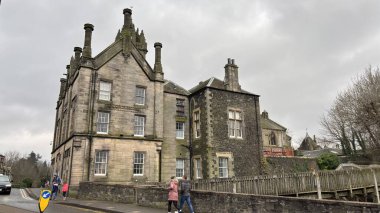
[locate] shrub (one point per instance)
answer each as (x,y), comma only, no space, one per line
(328,161)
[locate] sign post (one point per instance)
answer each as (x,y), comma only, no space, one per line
(44,200)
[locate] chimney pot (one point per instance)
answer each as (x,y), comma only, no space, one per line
(157,45)
(233,61)
(89,26)
(78,49)
(127,10)
(228,61)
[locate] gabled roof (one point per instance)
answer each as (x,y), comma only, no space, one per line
(171,87)
(267,123)
(213,83)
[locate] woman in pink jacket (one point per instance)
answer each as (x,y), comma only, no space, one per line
(173,194)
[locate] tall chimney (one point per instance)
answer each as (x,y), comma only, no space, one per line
(87,40)
(127,17)
(157,61)
(77,51)
(231,78)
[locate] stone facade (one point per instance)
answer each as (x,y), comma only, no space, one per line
(119,121)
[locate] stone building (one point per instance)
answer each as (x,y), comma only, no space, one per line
(118,120)
(275,140)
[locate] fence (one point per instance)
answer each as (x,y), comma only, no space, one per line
(296,183)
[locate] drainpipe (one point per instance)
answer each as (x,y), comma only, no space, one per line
(91,126)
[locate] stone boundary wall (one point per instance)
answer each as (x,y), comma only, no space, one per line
(209,202)
(276,165)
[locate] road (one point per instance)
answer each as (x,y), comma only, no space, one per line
(19,202)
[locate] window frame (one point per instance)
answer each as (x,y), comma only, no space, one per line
(136,165)
(182,131)
(223,168)
(98,164)
(198,168)
(196,120)
(139,96)
(99,123)
(180,105)
(235,124)
(103,92)
(138,125)
(179,168)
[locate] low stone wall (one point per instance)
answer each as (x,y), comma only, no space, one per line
(205,202)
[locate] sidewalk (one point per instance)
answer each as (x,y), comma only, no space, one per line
(105,206)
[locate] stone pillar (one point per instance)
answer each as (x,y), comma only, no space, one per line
(87,40)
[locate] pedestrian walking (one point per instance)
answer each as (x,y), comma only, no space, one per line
(65,189)
(185,194)
(54,190)
(173,194)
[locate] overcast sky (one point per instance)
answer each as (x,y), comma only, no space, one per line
(297,55)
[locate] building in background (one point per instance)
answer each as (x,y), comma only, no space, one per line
(118,120)
(275,140)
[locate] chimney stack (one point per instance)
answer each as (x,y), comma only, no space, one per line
(77,51)
(87,40)
(127,17)
(157,61)
(231,78)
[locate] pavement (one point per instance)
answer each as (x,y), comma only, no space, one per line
(102,206)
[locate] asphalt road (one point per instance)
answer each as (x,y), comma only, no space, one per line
(19,202)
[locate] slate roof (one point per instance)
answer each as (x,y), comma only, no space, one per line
(308,144)
(213,83)
(171,87)
(267,123)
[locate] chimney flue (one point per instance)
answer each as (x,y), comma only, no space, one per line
(87,40)
(157,60)
(127,17)
(77,51)
(231,78)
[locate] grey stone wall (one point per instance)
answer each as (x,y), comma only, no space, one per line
(206,202)
(275,165)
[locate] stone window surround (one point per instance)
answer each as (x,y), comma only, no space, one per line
(241,124)
(230,158)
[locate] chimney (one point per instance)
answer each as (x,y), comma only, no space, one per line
(231,78)
(87,40)
(157,61)
(77,51)
(127,17)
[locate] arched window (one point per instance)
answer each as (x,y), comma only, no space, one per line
(272,139)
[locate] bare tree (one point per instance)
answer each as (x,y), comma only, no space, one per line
(354,118)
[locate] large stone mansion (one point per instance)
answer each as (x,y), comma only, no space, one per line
(118,120)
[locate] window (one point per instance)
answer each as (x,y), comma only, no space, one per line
(139,125)
(234,124)
(140,95)
(105,91)
(103,122)
(138,164)
(223,167)
(180,107)
(197,128)
(180,130)
(101,158)
(180,168)
(198,168)
(272,138)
